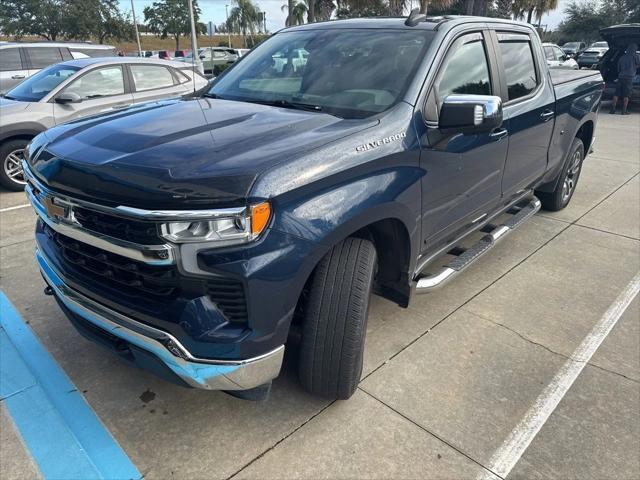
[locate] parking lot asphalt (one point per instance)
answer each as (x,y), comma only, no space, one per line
(445,382)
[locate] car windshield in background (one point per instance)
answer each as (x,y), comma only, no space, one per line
(348,73)
(37,86)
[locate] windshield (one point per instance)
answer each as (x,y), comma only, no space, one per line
(571,45)
(37,86)
(599,45)
(348,73)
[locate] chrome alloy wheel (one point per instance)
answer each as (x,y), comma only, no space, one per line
(13,166)
(571,178)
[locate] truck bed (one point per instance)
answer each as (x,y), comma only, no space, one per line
(560,76)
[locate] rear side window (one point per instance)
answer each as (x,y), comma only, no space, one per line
(466,70)
(519,68)
(148,77)
(41,57)
(10,59)
(94,52)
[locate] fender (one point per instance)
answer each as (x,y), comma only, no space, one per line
(22,129)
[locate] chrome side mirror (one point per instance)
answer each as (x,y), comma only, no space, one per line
(470,113)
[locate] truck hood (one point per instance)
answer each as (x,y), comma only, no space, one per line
(169,154)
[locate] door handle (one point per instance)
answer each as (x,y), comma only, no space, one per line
(499,134)
(120,106)
(546,115)
(17,77)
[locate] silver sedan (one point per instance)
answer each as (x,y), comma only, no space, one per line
(77,88)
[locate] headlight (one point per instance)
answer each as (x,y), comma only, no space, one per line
(223,230)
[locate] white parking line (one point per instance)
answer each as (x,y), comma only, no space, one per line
(506,457)
(8,209)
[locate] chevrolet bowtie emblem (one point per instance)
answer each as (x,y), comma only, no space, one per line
(52,209)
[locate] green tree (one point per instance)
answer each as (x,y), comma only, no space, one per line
(425,4)
(583,21)
(170,18)
(45,18)
(97,18)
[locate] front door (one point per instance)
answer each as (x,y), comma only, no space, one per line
(463,171)
(101,90)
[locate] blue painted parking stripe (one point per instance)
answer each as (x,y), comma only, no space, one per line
(61,431)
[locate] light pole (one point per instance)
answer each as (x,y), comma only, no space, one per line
(135,24)
(264,18)
(194,39)
(226,9)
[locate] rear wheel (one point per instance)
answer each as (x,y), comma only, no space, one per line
(335,319)
(567,181)
(11,156)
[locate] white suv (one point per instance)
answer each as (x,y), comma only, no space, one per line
(21,60)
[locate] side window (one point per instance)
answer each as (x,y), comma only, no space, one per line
(41,57)
(102,82)
(181,76)
(519,68)
(66,55)
(559,54)
(465,70)
(148,77)
(549,53)
(10,59)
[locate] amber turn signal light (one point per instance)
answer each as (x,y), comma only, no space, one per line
(260,214)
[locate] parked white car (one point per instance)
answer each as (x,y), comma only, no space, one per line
(557,58)
(21,60)
(77,88)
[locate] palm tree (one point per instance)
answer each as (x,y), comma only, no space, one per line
(436,3)
(297,13)
(245,17)
(524,8)
(504,8)
(544,6)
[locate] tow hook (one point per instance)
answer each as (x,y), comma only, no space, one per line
(48,290)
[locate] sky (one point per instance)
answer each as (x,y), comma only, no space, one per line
(214,10)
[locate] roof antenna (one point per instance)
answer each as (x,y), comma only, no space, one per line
(415,17)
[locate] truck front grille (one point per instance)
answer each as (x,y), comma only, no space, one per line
(131,276)
(115,269)
(136,231)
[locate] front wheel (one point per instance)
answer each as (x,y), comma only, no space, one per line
(335,320)
(11,156)
(567,181)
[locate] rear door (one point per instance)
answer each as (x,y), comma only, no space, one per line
(102,89)
(463,171)
(13,68)
(153,82)
(528,108)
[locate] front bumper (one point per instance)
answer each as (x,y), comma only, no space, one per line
(207,374)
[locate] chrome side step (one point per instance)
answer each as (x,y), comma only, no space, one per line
(465,257)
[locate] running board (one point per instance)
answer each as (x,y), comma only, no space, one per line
(465,257)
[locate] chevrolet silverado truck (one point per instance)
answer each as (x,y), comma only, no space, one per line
(198,237)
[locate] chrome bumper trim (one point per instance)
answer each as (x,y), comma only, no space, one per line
(149,254)
(202,373)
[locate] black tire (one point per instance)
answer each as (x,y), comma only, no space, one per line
(335,320)
(567,180)
(8,158)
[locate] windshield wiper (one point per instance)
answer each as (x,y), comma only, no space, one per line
(287,104)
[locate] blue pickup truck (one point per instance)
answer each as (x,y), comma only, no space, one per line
(197,237)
